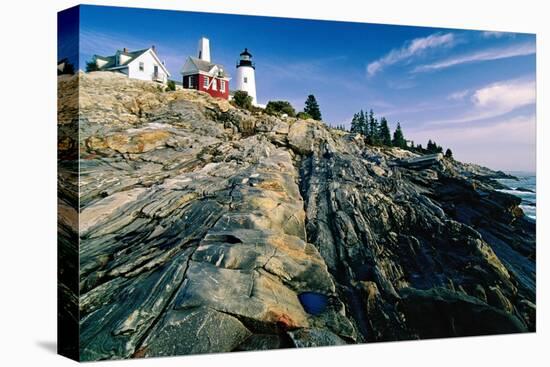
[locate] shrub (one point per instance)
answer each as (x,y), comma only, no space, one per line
(242,99)
(303,115)
(171,85)
(279,108)
(91,66)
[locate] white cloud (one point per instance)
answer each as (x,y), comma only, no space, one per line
(486,55)
(496,34)
(506,95)
(459,95)
(410,49)
(507,144)
(518,129)
(495,100)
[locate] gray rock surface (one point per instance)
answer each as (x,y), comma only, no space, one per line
(201,224)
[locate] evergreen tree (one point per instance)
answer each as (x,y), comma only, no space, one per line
(355,128)
(384,132)
(433,148)
(362,122)
(399,138)
(449,153)
(91,66)
(430,147)
(372,130)
(312,108)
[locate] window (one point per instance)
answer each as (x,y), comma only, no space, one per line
(141,66)
(214,84)
(191,81)
(245,79)
(222,86)
(205,82)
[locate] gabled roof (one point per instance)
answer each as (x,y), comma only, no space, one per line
(194,64)
(132,56)
(111,60)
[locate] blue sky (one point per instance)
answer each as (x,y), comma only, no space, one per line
(472,91)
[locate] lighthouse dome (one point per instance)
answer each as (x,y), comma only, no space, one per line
(245,59)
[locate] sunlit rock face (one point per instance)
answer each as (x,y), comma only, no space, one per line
(206,228)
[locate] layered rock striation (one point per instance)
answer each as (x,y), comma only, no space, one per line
(205,228)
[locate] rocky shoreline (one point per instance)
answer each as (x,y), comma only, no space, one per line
(205,228)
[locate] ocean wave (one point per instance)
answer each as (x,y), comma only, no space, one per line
(529,211)
(517,192)
(528,198)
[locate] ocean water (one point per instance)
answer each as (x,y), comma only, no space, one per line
(525,188)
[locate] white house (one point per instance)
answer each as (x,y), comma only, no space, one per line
(141,64)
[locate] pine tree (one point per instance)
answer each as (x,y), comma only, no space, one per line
(399,138)
(312,108)
(355,124)
(449,153)
(372,129)
(430,147)
(362,122)
(384,132)
(433,148)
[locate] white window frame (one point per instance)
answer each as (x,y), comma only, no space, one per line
(222,86)
(205,82)
(190,81)
(141,66)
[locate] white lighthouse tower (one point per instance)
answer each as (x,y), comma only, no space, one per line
(204,49)
(246,80)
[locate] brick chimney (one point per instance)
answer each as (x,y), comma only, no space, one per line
(125,50)
(154,48)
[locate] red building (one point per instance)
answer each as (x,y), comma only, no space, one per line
(201,74)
